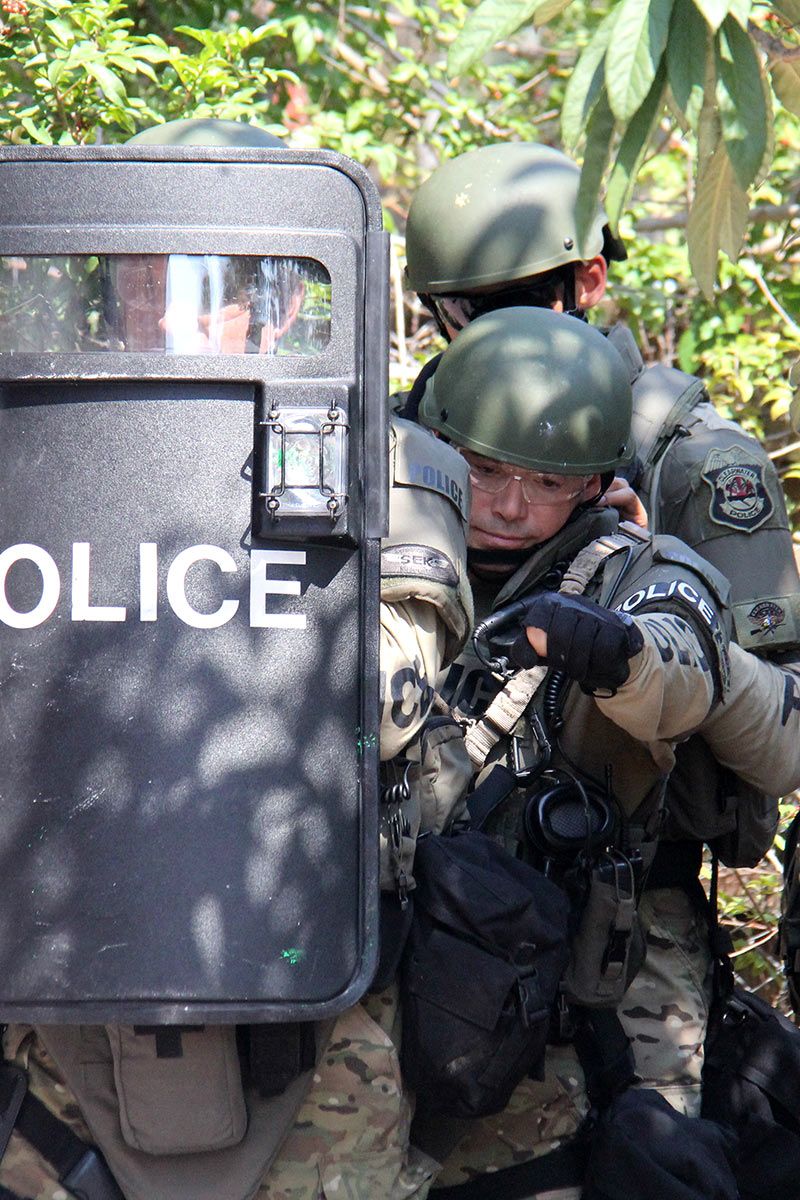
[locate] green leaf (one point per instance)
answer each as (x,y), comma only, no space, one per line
(549,9)
(124,61)
(718,220)
(39,135)
(740,11)
(110,84)
(55,69)
(303,38)
(586,82)
(794,407)
(765,166)
(634,53)
(153,54)
(714,11)
(62,31)
(599,133)
(633,148)
(741,100)
(686,58)
(485,26)
(786,83)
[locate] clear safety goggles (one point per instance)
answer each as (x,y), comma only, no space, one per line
(458,310)
(538,487)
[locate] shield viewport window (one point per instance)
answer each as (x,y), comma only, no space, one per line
(163,304)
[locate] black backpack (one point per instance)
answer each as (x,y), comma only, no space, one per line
(790,912)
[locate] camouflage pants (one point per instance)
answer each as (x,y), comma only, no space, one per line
(349,1140)
(665,1010)
(664,1013)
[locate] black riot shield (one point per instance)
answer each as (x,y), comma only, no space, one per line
(193,348)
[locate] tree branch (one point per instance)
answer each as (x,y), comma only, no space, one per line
(776,50)
(762,212)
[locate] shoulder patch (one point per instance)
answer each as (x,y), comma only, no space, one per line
(418,562)
(424,461)
(766,616)
(739,497)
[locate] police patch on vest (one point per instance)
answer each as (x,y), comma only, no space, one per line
(676,594)
(739,497)
(766,616)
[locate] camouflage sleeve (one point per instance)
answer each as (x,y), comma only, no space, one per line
(412,651)
(717,489)
(756,732)
(671,685)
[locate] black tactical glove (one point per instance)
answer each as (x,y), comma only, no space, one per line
(590,644)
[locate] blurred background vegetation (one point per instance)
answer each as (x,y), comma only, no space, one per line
(372,81)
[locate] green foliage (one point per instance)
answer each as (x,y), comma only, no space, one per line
(749,909)
(490,23)
(710,52)
(639,41)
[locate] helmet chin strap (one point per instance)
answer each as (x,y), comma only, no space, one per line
(571,307)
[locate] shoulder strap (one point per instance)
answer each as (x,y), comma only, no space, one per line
(662,397)
(82,1170)
(410,409)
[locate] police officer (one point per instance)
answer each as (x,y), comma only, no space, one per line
(629,629)
(343,1122)
(496,226)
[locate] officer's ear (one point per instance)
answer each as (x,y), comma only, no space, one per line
(590,281)
(593,490)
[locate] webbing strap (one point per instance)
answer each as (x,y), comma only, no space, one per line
(82,1170)
(502,714)
(54,1139)
(511,701)
(5,1194)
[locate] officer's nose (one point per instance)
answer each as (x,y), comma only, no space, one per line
(510,504)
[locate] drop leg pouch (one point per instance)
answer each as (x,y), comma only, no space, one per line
(83,1054)
(487,947)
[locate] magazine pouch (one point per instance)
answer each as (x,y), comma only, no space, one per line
(607,948)
(158,1091)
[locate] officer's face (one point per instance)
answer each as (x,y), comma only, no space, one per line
(519,509)
(546,290)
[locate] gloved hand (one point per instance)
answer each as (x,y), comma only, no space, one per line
(590,644)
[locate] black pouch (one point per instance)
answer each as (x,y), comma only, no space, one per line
(642,1149)
(486,950)
(750,1081)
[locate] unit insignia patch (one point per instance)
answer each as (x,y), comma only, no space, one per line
(739,497)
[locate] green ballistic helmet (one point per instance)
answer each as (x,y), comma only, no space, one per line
(497,214)
(536,388)
(204,131)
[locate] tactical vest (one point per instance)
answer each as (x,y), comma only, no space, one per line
(567,757)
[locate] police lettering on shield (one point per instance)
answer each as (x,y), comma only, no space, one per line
(82,607)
